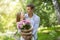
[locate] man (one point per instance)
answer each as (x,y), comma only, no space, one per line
(34,19)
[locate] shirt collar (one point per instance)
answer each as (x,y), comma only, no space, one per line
(29,17)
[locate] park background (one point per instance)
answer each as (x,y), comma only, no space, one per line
(47,10)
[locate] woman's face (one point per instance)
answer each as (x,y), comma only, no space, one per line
(22,16)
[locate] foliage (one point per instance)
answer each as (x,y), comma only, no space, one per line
(52,35)
(45,10)
(6,38)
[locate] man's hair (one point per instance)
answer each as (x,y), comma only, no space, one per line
(31,5)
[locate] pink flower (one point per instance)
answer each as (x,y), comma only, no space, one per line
(27,22)
(23,24)
(20,24)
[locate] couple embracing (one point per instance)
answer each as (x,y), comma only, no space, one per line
(33,22)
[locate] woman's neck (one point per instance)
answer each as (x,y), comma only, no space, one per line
(21,19)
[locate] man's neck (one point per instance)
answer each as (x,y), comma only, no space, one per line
(30,15)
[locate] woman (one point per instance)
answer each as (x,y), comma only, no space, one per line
(20,17)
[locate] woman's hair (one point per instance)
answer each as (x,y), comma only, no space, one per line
(18,17)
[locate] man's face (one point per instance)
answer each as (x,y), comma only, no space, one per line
(29,10)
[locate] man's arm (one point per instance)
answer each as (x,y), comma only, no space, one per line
(36,25)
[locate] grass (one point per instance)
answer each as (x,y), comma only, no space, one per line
(43,36)
(6,38)
(50,33)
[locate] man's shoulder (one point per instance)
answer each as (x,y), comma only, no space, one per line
(36,16)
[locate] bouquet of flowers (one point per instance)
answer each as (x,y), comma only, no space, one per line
(24,25)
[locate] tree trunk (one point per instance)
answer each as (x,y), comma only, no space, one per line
(57,10)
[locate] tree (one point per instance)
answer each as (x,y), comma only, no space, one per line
(57,9)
